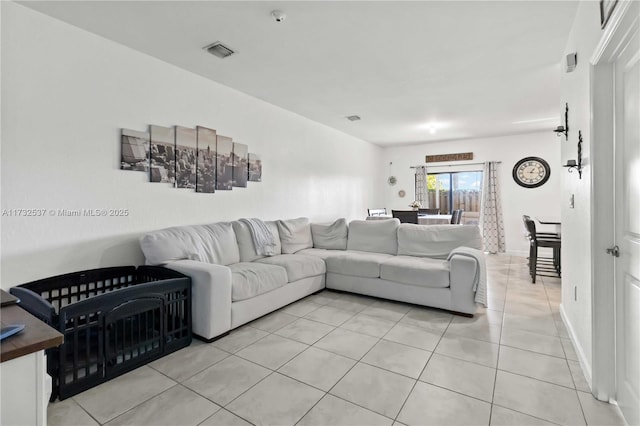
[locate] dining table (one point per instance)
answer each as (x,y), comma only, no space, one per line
(434,219)
(550,220)
(423,219)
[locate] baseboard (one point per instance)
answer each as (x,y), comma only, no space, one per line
(582,359)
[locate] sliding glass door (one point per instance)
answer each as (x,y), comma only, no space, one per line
(456,190)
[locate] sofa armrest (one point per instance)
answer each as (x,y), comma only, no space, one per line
(210,294)
(462,274)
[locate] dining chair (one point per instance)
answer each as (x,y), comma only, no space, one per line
(406,216)
(456,216)
(377,212)
(428,211)
(539,265)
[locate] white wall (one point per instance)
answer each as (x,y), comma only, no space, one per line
(576,223)
(65,95)
(516,200)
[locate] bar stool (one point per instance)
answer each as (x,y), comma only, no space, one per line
(539,265)
(539,234)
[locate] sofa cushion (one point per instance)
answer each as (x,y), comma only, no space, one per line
(330,236)
(359,264)
(421,271)
(214,243)
(252,279)
(323,254)
(295,235)
(245,241)
(376,236)
(298,266)
(436,241)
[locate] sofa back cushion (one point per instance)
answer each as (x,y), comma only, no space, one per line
(376,236)
(295,235)
(245,241)
(332,236)
(436,241)
(214,243)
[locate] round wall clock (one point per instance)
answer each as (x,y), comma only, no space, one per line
(392,180)
(531,172)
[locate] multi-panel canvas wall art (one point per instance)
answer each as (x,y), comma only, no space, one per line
(224,171)
(186,156)
(255,168)
(135,150)
(206,167)
(198,159)
(240,169)
(163,158)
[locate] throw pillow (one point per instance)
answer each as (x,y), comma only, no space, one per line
(295,235)
(332,236)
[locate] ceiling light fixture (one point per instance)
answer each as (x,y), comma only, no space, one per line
(220,50)
(353,117)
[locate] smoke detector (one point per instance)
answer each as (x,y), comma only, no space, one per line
(353,118)
(220,50)
(278,15)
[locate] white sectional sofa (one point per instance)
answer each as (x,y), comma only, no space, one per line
(232,284)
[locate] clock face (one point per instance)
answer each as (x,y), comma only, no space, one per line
(531,172)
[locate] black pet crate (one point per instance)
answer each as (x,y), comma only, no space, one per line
(113,320)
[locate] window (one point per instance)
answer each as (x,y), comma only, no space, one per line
(456,190)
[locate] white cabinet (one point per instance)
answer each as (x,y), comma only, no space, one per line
(24,391)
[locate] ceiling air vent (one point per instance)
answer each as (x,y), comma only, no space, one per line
(220,50)
(353,118)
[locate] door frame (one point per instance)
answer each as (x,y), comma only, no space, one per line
(622,24)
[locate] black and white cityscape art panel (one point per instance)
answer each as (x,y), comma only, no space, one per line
(195,158)
(135,151)
(255,168)
(163,158)
(186,157)
(240,169)
(206,166)
(224,166)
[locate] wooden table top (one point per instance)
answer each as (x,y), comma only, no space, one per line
(35,337)
(549,220)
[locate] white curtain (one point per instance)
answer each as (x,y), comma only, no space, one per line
(421,186)
(491,210)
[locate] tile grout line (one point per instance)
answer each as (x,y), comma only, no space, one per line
(512,284)
(421,372)
(228,354)
(147,400)
(275,371)
(82,408)
(566,360)
(348,371)
(575,385)
(230,412)
(495,377)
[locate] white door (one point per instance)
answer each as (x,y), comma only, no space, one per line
(627,217)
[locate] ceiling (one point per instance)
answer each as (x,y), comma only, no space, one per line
(464,69)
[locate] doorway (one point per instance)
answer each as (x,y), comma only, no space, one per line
(616,232)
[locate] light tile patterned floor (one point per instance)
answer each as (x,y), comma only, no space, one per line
(342,359)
